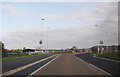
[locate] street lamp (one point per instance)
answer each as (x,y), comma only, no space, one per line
(47,38)
(102,41)
(42,30)
(35,40)
(106,42)
(41,41)
(98,45)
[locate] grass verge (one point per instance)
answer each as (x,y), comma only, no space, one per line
(107,55)
(18,57)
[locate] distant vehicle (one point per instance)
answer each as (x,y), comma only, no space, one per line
(46,51)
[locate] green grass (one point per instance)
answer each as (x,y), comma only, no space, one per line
(12,57)
(107,55)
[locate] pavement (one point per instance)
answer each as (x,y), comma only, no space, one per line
(111,67)
(69,64)
(13,64)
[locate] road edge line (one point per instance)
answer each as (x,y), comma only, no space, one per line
(107,59)
(42,66)
(95,67)
(100,69)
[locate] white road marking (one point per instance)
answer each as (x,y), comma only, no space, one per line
(42,66)
(100,69)
(25,66)
(107,59)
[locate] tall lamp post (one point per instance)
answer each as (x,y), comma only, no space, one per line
(41,41)
(101,42)
(98,45)
(47,38)
(106,42)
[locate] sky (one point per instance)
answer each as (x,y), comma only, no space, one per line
(67,24)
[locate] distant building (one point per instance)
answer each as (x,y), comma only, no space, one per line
(80,50)
(107,49)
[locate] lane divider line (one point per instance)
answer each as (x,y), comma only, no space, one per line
(25,66)
(43,66)
(95,66)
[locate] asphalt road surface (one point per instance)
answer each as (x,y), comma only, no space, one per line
(69,64)
(29,70)
(13,64)
(111,67)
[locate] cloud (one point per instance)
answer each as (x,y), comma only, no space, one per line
(52,16)
(9,7)
(58,38)
(15,10)
(95,13)
(60,1)
(84,34)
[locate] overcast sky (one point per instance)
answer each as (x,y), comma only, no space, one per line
(70,24)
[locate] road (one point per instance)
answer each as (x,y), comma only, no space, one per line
(68,64)
(13,64)
(29,70)
(111,67)
(63,64)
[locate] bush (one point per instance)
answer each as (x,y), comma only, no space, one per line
(4,53)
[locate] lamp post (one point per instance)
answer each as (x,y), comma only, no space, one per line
(106,42)
(35,40)
(101,42)
(47,38)
(41,41)
(98,45)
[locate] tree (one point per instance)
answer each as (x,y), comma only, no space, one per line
(4,51)
(24,48)
(75,48)
(101,42)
